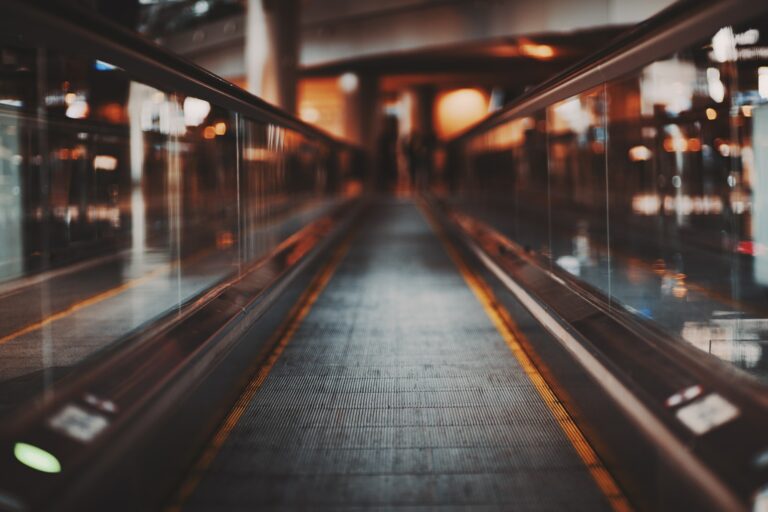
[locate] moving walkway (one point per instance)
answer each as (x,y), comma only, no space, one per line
(204,308)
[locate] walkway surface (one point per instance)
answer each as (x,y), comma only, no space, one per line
(396,392)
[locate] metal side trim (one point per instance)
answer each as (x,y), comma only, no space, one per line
(626,400)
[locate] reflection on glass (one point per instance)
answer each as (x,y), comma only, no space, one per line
(506,180)
(121,202)
(652,188)
(577,180)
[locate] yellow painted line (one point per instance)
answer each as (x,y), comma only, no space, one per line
(295,318)
(99,297)
(503,322)
(95,299)
(84,304)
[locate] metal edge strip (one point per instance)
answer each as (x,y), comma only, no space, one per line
(127,429)
(644,417)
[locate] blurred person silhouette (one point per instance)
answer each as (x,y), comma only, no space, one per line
(386,155)
(418,152)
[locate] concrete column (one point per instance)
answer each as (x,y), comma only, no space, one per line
(271,51)
(369,109)
(360,109)
(425,104)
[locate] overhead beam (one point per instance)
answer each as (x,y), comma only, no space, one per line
(342,29)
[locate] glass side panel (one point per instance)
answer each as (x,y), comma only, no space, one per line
(505,181)
(577,183)
(650,188)
(683,207)
(120,202)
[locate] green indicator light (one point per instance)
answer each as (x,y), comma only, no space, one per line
(36,458)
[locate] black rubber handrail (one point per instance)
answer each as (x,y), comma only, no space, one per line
(679,25)
(67,25)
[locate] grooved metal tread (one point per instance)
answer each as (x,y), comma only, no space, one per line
(397,393)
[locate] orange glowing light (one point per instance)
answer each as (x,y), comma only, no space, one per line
(113,112)
(353,188)
(505,50)
(209,132)
(640,154)
(220,128)
(646,204)
(79,109)
(309,114)
(252,154)
(537,51)
(225,240)
(457,110)
(679,144)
